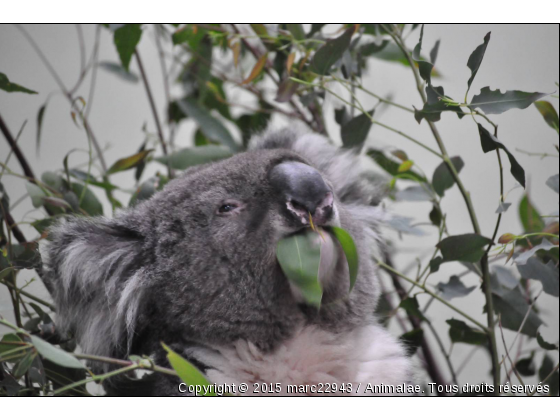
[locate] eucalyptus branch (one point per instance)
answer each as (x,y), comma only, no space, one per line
(29,295)
(472,214)
(507,353)
(431,293)
(154,111)
(444,352)
(256,54)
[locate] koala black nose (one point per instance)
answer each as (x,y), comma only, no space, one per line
(305,191)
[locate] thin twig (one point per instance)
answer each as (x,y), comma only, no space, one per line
(154,111)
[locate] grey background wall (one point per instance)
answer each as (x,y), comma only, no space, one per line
(523,57)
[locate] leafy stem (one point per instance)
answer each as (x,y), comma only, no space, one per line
(472,214)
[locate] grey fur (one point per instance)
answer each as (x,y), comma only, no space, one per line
(173,270)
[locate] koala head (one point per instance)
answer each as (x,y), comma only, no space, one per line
(196,263)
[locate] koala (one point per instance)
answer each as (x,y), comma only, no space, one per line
(195,267)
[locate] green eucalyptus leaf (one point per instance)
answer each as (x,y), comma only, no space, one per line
(412,340)
(10,342)
(350,251)
(460,332)
(530,217)
(129,162)
(454,288)
(191,156)
(476,57)
(548,367)
(210,126)
(299,257)
(524,257)
(547,274)
(296,29)
(391,166)
(119,71)
(435,264)
(40,116)
(552,182)
(331,52)
(8,86)
(443,179)
(89,202)
(186,371)
(55,355)
(355,131)
(36,193)
(496,102)
(23,365)
(411,306)
(526,366)
(545,344)
(489,143)
(436,103)
(424,66)
(513,307)
(469,247)
(286,90)
(549,113)
(126,38)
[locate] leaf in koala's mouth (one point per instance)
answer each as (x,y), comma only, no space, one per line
(299,257)
(350,251)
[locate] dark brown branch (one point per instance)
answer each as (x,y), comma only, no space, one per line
(154,110)
(19,155)
(431,364)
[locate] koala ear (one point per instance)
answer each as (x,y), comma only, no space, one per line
(93,270)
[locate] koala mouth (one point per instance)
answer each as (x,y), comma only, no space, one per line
(311,214)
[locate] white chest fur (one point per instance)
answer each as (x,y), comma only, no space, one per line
(367,355)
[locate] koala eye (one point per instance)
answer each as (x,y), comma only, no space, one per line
(226,208)
(229,208)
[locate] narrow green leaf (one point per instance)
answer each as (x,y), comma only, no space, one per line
(549,113)
(36,193)
(89,201)
(191,156)
(350,251)
(257,69)
(286,90)
(424,66)
(8,86)
(331,52)
(459,332)
(40,116)
(454,288)
(530,218)
(210,126)
(545,344)
(119,71)
(24,364)
(468,247)
(490,143)
(436,103)
(496,102)
(476,57)
(299,257)
(513,307)
(129,162)
(552,182)
(391,166)
(186,371)
(55,355)
(296,29)
(11,341)
(355,131)
(526,366)
(412,340)
(411,306)
(443,179)
(126,38)
(547,274)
